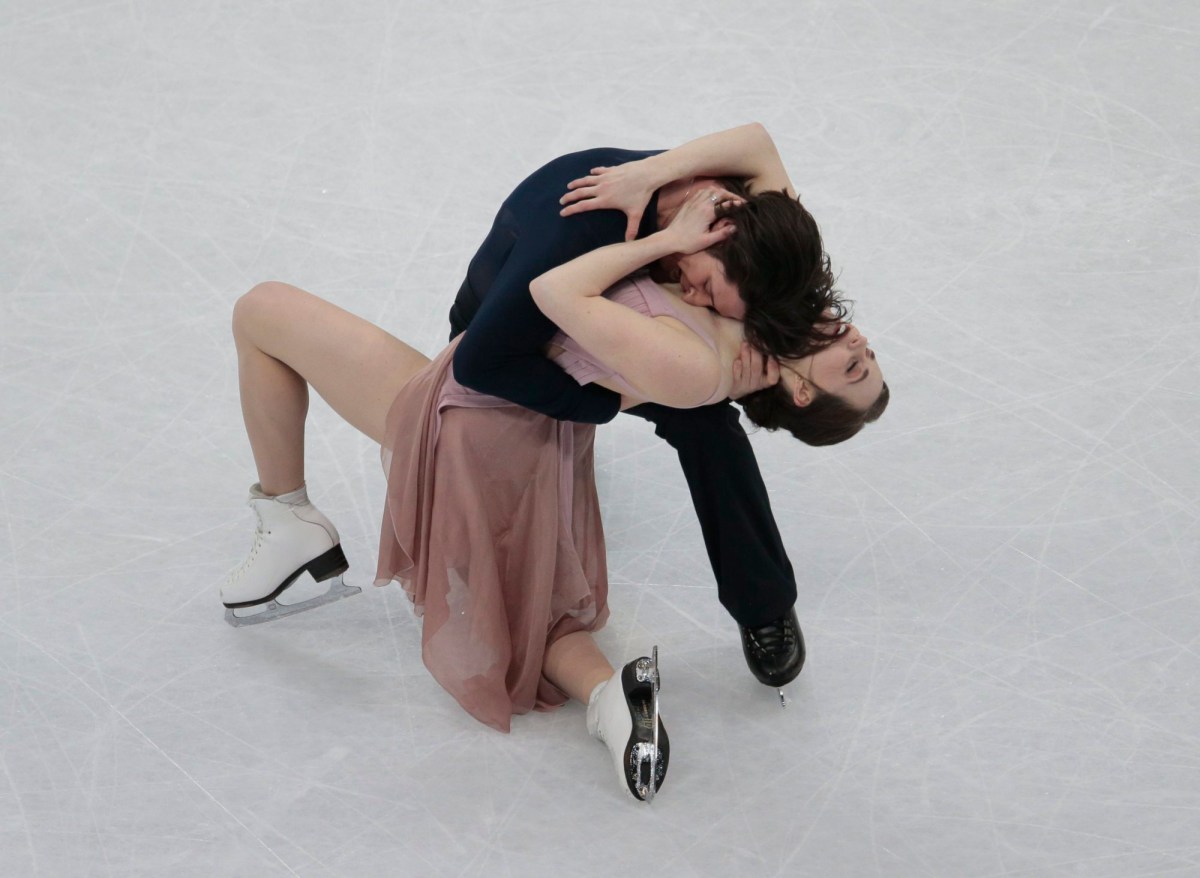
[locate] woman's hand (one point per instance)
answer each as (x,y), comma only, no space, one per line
(695,226)
(626,188)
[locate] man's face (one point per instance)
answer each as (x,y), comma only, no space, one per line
(703,283)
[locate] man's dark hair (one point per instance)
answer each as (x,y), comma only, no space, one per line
(778,262)
(779,265)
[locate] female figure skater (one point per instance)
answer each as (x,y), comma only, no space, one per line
(491,521)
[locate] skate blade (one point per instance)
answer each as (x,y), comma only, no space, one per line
(646,789)
(273,609)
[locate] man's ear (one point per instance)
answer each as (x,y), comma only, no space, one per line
(802,393)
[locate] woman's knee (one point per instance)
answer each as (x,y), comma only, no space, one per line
(263,304)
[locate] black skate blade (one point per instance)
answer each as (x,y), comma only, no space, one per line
(272,610)
(648,750)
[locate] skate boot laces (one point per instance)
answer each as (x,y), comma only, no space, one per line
(773,639)
(259,533)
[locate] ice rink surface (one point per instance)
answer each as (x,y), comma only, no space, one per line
(998,582)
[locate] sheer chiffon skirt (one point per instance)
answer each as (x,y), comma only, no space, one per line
(492,526)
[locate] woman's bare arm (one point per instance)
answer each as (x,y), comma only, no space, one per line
(747,152)
(662,358)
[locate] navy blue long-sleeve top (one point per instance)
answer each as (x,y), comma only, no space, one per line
(503,354)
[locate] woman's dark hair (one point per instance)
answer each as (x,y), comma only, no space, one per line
(777,261)
(827,420)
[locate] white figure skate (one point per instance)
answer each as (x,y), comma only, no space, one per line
(292,537)
(623,713)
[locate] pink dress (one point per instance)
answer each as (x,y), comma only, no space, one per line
(492,526)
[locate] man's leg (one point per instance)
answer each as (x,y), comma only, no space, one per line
(755,582)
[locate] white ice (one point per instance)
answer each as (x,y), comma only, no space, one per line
(998,582)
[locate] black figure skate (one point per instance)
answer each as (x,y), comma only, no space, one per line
(775,652)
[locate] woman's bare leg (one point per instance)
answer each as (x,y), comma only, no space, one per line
(576,665)
(288,339)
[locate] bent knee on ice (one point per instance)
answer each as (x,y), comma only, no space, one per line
(262,304)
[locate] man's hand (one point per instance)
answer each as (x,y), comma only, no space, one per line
(752,371)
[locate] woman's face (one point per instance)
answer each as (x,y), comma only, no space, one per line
(846,368)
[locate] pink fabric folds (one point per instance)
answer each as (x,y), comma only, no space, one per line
(492,526)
